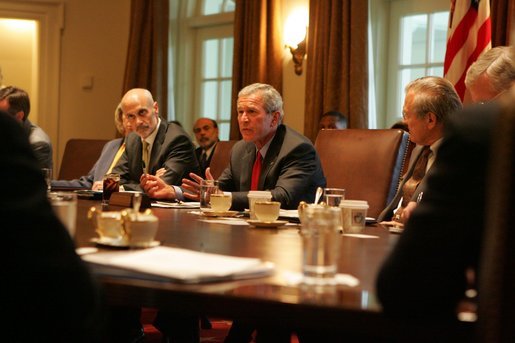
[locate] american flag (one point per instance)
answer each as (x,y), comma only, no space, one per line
(469,34)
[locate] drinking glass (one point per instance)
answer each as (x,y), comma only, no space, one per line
(64,205)
(333,196)
(47,174)
(207,187)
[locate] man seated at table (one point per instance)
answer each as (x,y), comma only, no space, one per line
(48,292)
(430,101)
(425,276)
(156,147)
(492,74)
(206,134)
(109,156)
(16,102)
(271,156)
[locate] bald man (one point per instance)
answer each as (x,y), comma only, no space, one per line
(168,147)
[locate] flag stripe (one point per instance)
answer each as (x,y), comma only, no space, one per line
(459,37)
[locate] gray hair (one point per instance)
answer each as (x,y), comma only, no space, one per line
(499,66)
(273,102)
(118,121)
(434,94)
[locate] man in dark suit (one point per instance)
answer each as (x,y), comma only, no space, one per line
(109,156)
(430,101)
(206,134)
(16,102)
(424,277)
(157,148)
(290,166)
(48,294)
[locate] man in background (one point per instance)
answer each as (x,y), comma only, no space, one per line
(492,74)
(155,145)
(206,134)
(16,102)
(429,102)
(333,120)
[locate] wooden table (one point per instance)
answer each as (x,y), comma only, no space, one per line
(262,300)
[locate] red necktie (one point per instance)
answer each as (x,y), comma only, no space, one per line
(256,170)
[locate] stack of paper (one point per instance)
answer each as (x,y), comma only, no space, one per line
(179,265)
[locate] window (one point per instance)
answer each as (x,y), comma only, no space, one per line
(416,42)
(203,45)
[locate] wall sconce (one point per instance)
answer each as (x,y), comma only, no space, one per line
(295,37)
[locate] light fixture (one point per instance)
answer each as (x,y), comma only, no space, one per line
(295,34)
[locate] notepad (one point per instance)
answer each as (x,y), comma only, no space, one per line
(178,265)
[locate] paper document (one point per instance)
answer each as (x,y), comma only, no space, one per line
(164,204)
(181,265)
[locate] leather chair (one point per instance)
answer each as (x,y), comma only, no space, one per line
(221,157)
(496,283)
(367,163)
(79,157)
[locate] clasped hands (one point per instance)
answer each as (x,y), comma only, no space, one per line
(156,188)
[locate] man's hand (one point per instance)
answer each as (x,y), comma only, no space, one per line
(192,187)
(156,188)
(97,186)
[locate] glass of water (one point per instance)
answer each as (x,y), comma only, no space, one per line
(47,174)
(333,196)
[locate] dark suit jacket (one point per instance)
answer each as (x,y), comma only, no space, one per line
(291,170)
(387,213)
(40,144)
(99,168)
(48,294)
(198,154)
(172,150)
(424,276)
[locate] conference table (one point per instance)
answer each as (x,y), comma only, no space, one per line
(270,300)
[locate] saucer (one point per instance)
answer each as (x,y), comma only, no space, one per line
(275,223)
(120,243)
(210,213)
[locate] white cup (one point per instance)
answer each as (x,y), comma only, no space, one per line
(267,211)
(354,213)
(108,224)
(254,196)
(64,205)
(141,230)
(221,202)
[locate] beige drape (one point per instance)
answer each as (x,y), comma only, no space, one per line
(336,74)
(502,13)
(258,49)
(147,55)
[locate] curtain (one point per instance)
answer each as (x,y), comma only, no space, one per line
(147,54)
(258,49)
(337,71)
(502,13)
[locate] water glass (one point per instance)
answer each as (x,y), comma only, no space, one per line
(47,174)
(333,196)
(320,232)
(207,187)
(64,205)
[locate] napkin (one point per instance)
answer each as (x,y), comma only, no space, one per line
(180,265)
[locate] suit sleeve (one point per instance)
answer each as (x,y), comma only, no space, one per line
(179,160)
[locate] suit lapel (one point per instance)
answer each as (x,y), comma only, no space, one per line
(271,157)
(156,147)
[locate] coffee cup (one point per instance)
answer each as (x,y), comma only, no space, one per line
(221,202)
(267,211)
(141,229)
(255,196)
(354,213)
(108,224)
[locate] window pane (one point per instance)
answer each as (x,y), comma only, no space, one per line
(225,99)
(436,71)
(209,99)
(210,56)
(229,6)
(439,36)
(223,131)
(227,47)
(413,39)
(212,7)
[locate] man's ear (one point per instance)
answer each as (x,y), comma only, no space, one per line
(276,118)
(19,116)
(431,120)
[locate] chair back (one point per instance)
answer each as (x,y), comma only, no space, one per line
(496,308)
(221,157)
(367,163)
(79,157)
